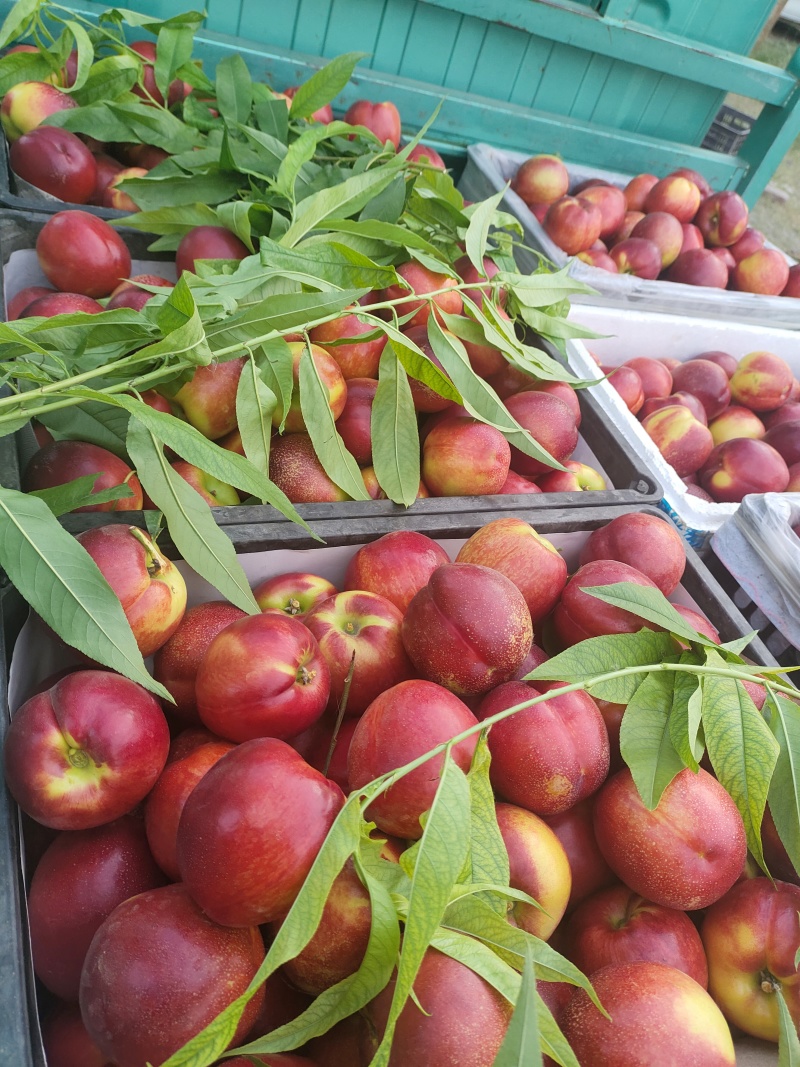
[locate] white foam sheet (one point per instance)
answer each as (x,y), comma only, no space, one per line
(627,333)
(22,270)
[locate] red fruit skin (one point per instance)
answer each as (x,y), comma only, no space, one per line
(468,629)
(340,940)
(402,723)
(709,386)
(550,422)
(573,224)
(676,194)
(396,566)
(341,1045)
(687,400)
(295,468)
(294,593)
(383,119)
(658,1016)
(548,757)
(722,218)
(367,626)
(251,829)
(82,876)
(655,377)
(463,456)
(618,926)
(463,1020)
(208,242)
(129,295)
(699,266)
(82,253)
(515,483)
(357,360)
(723,359)
(628,384)
(50,304)
(60,462)
(751,936)
(778,862)
(575,830)
(158,971)
(314,745)
(354,425)
(177,661)
(66,1042)
(468,273)
(262,676)
(563,390)
(86,751)
(422,280)
(150,588)
(512,547)
(699,622)
(165,802)
(653,546)
(579,615)
(696,824)
(16,305)
(741,466)
(55,161)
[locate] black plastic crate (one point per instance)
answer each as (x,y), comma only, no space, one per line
(728,131)
(20,1040)
(629,476)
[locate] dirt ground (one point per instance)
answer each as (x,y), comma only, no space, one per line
(777,213)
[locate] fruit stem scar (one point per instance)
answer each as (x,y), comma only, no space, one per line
(305,676)
(78,758)
(769,983)
(292,606)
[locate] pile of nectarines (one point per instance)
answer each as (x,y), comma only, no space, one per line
(674,228)
(179,892)
(727,427)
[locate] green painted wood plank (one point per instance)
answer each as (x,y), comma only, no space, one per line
(426,54)
(535,63)
(392,37)
(465,52)
(734,27)
(634,43)
(770,138)
(223,16)
(311,26)
(275,27)
(499,62)
(354,26)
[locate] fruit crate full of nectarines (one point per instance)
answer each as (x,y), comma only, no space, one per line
(711,406)
(665,242)
(325,469)
(368,781)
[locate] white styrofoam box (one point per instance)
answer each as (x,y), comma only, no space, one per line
(489,169)
(23,270)
(628,333)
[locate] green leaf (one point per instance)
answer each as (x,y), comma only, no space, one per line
(650,605)
(236,218)
(191,525)
(788,1041)
(784,790)
(173,50)
(479,958)
(382,231)
(441,856)
(85,50)
(23,66)
(234,89)
(284,311)
(175,221)
(353,993)
(415,362)
(78,493)
(488,853)
(347,198)
(387,206)
(255,403)
(520,1046)
(63,584)
(330,262)
(336,461)
(208,456)
(152,193)
(479,397)
(18,21)
(97,423)
(686,718)
(325,84)
(270,150)
(152,125)
(645,740)
(543,289)
(395,434)
(276,365)
(108,79)
(295,932)
(605,655)
(742,749)
(739,644)
(478,230)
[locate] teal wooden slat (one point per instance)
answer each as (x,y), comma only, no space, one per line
(627,93)
(465,52)
(499,62)
(267,24)
(426,54)
(534,65)
(588,87)
(770,138)
(222,16)
(311,26)
(391,43)
(634,43)
(353,26)
(733,26)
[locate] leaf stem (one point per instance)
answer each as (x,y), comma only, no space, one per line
(387,780)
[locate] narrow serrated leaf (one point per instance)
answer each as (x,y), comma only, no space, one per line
(645,741)
(395,434)
(788,1041)
(649,605)
(478,230)
(521,1046)
(78,493)
(192,528)
(784,790)
(63,585)
(234,89)
(255,403)
(488,853)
